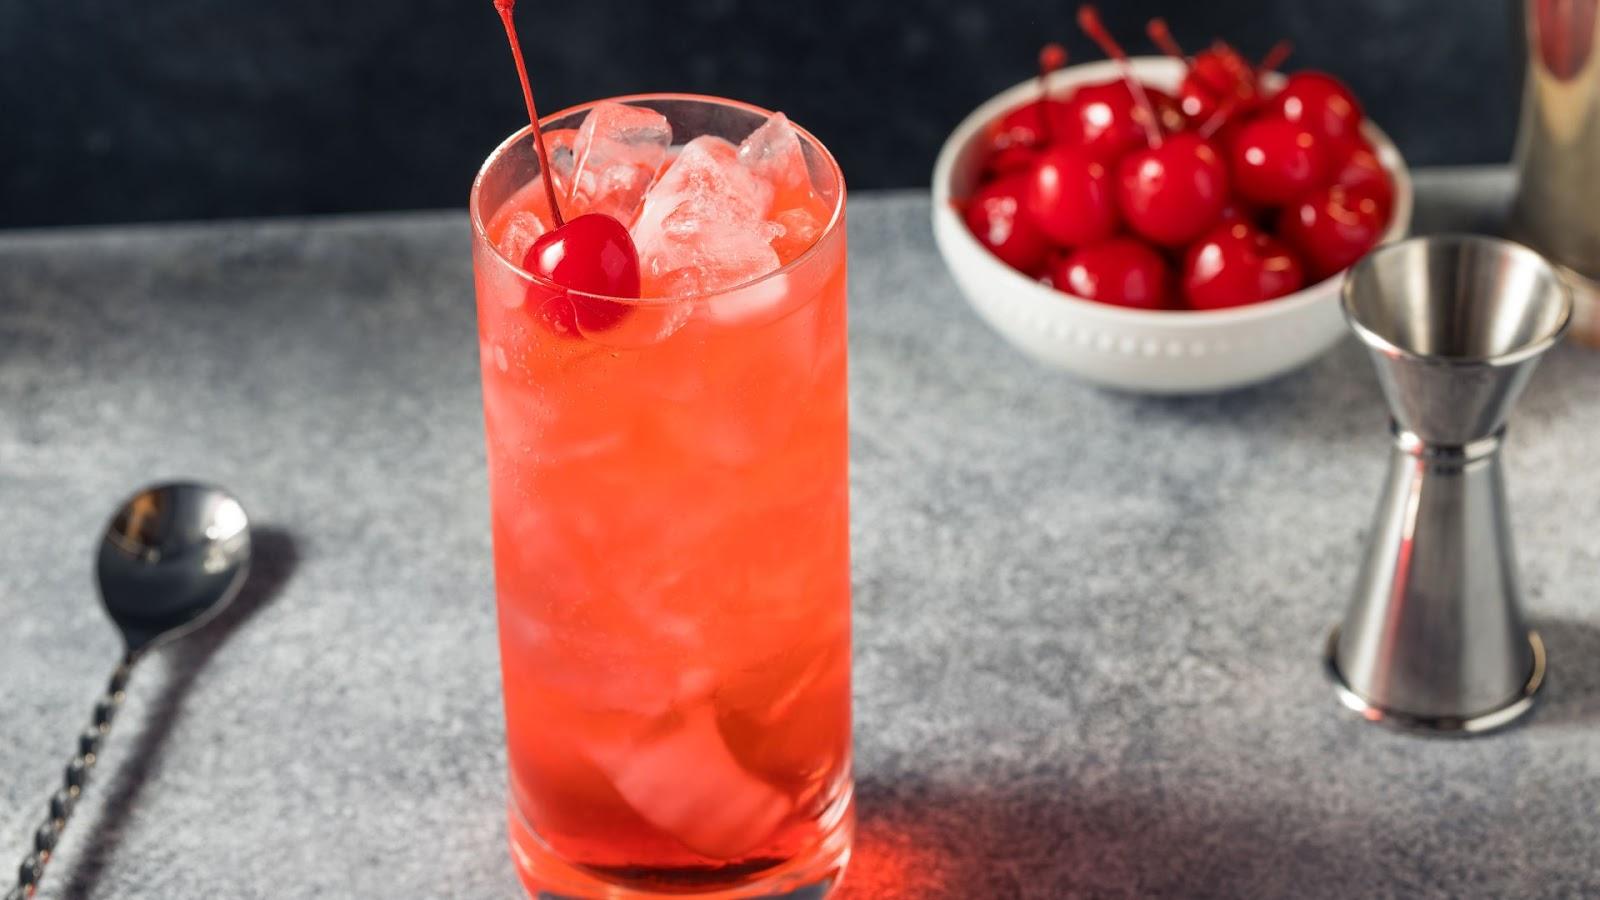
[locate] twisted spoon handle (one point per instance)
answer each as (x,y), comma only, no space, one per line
(73,781)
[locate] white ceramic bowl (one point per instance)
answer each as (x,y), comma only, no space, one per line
(1176,352)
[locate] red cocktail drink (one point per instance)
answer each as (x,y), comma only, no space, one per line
(668,482)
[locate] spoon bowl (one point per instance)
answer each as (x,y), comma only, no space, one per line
(172,559)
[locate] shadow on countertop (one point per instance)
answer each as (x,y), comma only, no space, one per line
(1572,690)
(1031,838)
(1043,831)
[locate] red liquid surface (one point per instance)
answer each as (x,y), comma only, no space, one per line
(671,544)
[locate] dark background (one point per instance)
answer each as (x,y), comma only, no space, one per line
(167,109)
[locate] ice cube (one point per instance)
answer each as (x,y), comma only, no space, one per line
(682,778)
(789,715)
(701,228)
(707,171)
(753,304)
(617,152)
(561,145)
(774,154)
(522,229)
(699,253)
(801,227)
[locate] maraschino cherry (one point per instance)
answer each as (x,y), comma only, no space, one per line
(1120,271)
(1275,161)
(1224,73)
(1321,103)
(1244,102)
(1355,165)
(1071,196)
(1238,264)
(1172,193)
(1219,79)
(1110,118)
(1174,188)
(1212,76)
(1020,134)
(592,254)
(1114,195)
(998,220)
(1107,119)
(1333,227)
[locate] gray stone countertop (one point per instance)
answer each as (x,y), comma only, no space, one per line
(1088,625)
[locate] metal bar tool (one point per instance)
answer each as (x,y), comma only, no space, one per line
(1434,639)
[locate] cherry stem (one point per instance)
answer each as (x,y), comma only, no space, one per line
(1051,57)
(1089,21)
(1161,35)
(1218,116)
(505,8)
(1275,57)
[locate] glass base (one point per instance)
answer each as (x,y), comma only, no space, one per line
(810,876)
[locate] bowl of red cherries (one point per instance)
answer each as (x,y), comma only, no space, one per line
(1169,224)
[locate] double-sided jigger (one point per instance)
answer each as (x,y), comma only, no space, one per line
(1434,639)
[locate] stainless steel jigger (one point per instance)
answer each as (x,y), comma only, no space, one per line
(1434,639)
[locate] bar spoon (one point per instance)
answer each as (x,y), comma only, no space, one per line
(172,558)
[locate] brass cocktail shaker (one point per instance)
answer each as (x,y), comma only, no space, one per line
(1557,207)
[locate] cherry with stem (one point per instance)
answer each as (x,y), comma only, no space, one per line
(1269,63)
(1089,21)
(1170,191)
(1021,134)
(1066,195)
(1197,93)
(591,254)
(1224,111)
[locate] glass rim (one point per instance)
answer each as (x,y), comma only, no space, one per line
(481,231)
